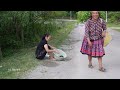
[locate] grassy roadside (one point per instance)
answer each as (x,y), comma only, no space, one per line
(114,26)
(14,66)
(59,36)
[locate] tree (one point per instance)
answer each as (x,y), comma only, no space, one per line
(114,16)
(82,16)
(0,53)
(24,28)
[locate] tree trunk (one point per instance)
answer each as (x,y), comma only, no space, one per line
(0,53)
(17,30)
(16,26)
(31,23)
(22,36)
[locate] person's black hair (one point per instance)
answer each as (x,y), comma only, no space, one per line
(91,14)
(45,35)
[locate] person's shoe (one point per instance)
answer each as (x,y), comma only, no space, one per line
(90,66)
(102,69)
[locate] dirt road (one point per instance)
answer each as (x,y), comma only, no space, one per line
(75,65)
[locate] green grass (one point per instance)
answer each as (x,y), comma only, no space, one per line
(114,26)
(60,35)
(16,65)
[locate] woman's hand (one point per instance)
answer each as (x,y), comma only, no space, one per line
(55,50)
(103,33)
(90,43)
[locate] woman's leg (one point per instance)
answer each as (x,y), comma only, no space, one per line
(100,64)
(90,62)
(51,55)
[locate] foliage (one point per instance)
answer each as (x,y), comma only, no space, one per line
(24,28)
(82,16)
(114,16)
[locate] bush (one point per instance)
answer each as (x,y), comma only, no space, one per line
(19,28)
(114,17)
(82,16)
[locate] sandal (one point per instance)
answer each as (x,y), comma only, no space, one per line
(90,66)
(102,69)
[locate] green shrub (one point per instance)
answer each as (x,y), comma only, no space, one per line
(82,16)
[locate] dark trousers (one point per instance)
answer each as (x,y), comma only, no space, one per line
(41,54)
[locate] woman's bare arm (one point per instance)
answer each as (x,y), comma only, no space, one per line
(47,49)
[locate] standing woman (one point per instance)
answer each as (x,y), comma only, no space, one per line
(95,31)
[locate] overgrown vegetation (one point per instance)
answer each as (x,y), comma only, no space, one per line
(20,29)
(112,16)
(114,20)
(82,16)
(19,63)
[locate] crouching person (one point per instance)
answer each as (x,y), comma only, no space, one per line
(43,48)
